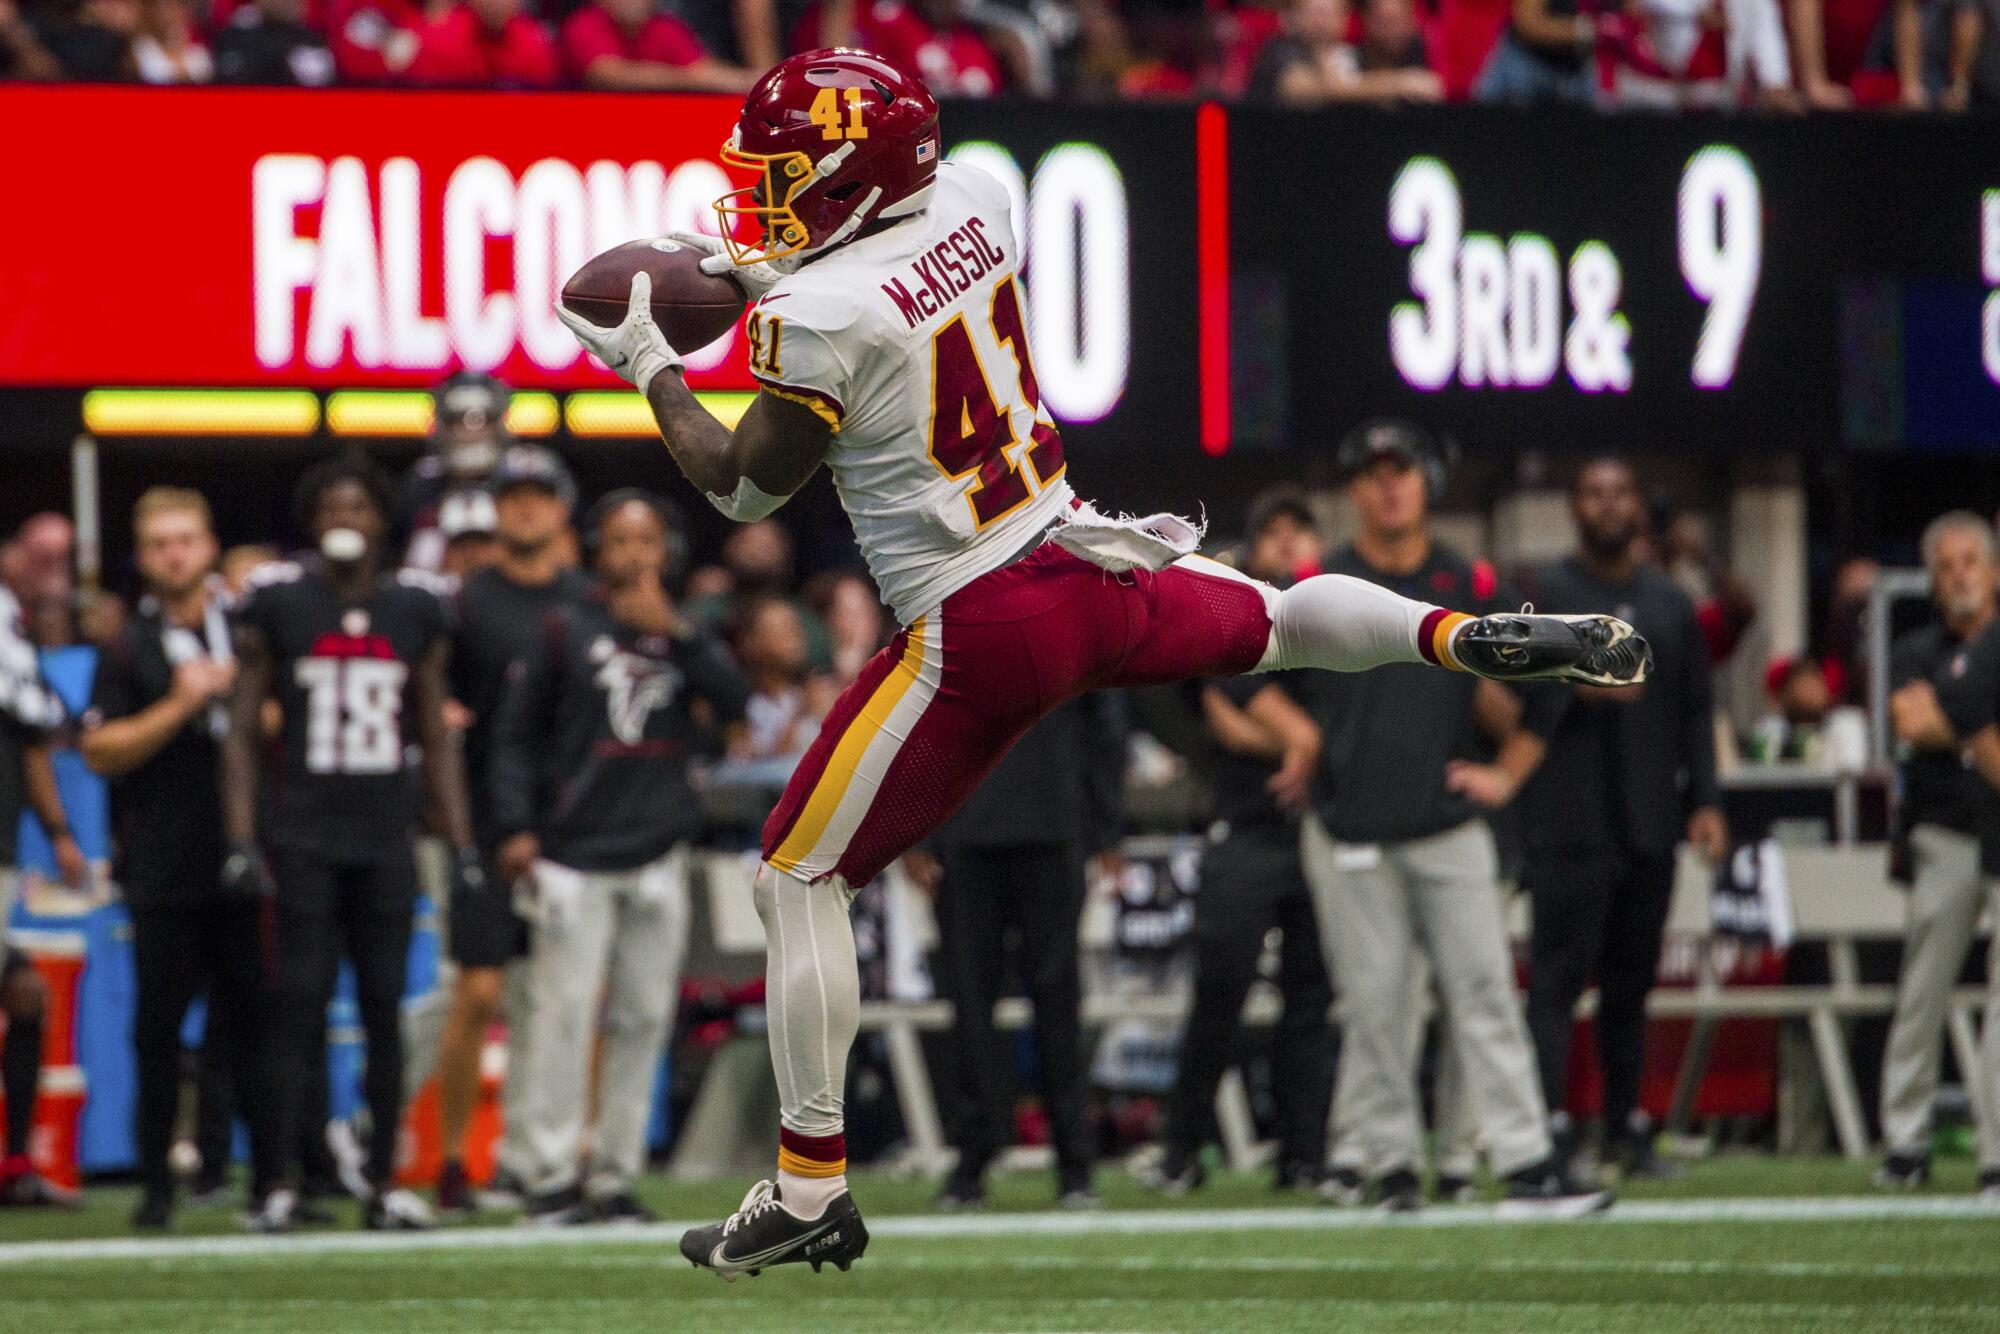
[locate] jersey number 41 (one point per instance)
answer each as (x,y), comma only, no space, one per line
(972,433)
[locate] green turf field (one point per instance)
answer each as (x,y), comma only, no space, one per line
(1738,1245)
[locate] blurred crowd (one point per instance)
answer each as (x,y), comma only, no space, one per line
(548,688)
(1789,55)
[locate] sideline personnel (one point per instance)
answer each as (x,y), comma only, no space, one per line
(156,718)
(591,798)
(1947,680)
(1401,860)
(1626,775)
(1264,749)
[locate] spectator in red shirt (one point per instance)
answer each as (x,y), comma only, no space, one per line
(933,40)
(485,44)
(629,44)
(373,41)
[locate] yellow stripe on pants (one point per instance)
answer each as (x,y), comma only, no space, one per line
(835,779)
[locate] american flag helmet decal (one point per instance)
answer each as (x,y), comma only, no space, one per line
(927,150)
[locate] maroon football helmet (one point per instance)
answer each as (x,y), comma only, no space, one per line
(838,139)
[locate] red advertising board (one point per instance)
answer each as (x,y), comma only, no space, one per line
(339,238)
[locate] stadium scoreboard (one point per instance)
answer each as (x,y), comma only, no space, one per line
(1577,281)
(1224,277)
(353,240)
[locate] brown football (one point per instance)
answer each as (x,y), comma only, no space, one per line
(692,308)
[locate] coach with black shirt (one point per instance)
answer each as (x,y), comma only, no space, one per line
(1402,863)
(592,801)
(156,717)
(1627,774)
(1945,679)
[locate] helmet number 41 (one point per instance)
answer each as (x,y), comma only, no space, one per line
(825,113)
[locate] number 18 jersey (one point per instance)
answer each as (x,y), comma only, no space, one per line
(342,674)
(912,343)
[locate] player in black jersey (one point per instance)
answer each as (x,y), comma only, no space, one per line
(357,660)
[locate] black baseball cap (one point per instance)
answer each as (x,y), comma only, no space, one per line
(533,465)
(1384,438)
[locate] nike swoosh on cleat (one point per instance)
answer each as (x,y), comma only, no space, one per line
(717,1260)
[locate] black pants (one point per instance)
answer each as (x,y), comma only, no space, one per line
(360,911)
(179,951)
(1599,912)
(1031,897)
(1251,882)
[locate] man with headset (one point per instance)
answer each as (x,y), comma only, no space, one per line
(1401,861)
(591,799)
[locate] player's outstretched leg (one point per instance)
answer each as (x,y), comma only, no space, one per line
(813,1001)
(1342,624)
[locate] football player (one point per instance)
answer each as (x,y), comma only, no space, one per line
(890,339)
(356,658)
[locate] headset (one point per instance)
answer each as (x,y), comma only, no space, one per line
(670,519)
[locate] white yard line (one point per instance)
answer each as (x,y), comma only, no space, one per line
(1133,1223)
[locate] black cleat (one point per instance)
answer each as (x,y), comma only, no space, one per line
(763,1232)
(1450,1189)
(1523,646)
(1546,1190)
(1637,1157)
(155,1212)
(1903,1171)
(564,1207)
(622,1208)
(1398,1192)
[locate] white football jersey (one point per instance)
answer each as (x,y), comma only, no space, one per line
(912,343)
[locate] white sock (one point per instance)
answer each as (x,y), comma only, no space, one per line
(812,1000)
(1342,624)
(807,1197)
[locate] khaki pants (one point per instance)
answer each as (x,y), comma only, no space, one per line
(1382,911)
(1944,910)
(619,936)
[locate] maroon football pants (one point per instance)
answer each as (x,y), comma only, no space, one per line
(931,714)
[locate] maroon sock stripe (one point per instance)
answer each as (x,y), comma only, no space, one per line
(814,1148)
(1428,632)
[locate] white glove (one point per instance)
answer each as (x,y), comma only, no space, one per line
(755,279)
(636,349)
